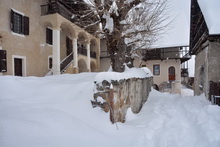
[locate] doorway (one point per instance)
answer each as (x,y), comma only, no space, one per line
(172,75)
(19,66)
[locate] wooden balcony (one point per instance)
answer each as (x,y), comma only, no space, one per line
(82,50)
(199,29)
(57,6)
(167,53)
(93,54)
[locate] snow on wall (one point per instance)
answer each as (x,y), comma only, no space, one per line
(128,73)
(211,11)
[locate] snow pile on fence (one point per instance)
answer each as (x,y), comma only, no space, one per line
(127,74)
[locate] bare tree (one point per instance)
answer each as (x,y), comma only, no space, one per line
(127,25)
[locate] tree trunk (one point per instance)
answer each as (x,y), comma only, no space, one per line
(116,48)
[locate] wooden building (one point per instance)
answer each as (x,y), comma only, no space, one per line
(205,44)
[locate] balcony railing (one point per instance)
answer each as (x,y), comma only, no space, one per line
(167,53)
(82,51)
(49,8)
(93,54)
(184,72)
(66,62)
(57,6)
(214,92)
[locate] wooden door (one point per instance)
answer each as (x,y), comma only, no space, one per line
(18,66)
(172,75)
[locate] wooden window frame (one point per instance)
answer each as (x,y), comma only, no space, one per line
(154,69)
(19,23)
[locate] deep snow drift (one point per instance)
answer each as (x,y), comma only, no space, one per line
(56,111)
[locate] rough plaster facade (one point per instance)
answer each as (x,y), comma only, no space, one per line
(207,67)
(33,49)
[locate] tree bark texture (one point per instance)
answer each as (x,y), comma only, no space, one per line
(130,93)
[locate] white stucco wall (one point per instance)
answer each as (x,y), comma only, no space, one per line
(164,74)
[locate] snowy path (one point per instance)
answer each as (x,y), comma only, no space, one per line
(186,92)
(175,121)
(56,111)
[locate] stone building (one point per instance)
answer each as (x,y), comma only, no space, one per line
(38,37)
(205,44)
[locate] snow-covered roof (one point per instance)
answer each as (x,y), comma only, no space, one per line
(177,33)
(211,10)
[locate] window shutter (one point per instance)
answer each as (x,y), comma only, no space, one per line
(49,36)
(3,61)
(12,20)
(26,25)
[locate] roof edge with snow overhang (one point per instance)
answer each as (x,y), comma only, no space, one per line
(211,10)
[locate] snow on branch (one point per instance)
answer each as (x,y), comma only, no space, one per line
(144,23)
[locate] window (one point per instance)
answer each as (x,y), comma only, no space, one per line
(49,36)
(156,69)
(19,23)
(50,62)
(69,46)
(3,61)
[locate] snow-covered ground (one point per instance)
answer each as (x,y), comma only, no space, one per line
(55,111)
(186,91)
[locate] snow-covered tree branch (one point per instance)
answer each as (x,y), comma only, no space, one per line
(127,25)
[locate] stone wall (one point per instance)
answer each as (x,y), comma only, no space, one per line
(118,96)
(207,67)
